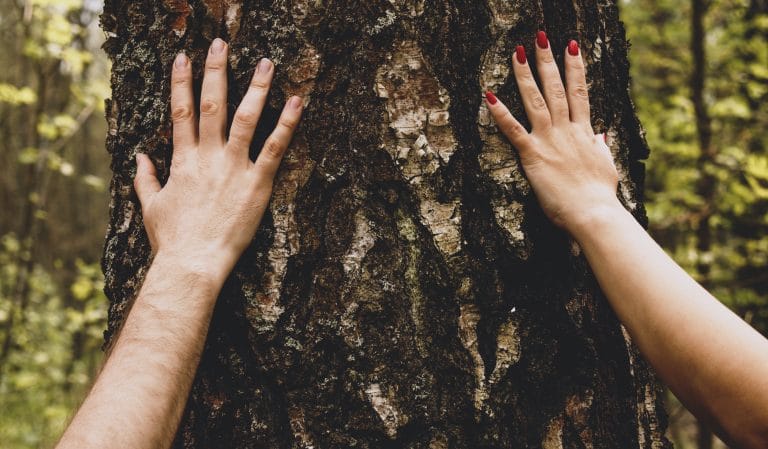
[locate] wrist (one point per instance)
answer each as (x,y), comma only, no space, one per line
(593,220)
(210,271)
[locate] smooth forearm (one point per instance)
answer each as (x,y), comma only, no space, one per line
(711,359)
(139,396)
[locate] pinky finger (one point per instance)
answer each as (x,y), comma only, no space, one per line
(272,153)
(508,124)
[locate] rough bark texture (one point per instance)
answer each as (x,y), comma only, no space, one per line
(405,290)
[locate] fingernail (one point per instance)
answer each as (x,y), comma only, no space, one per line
(520,51)
(605,137)
(295,102)
(217,46)
(263,66)
(573,48)
(491,97)
(181,61)
(541,40)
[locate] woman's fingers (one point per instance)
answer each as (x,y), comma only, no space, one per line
(509,126)
(182,106)
(274,147)
(213,99)
(535,105)
(578,93)
(250,109)
(554,92)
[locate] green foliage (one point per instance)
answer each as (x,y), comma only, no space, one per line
(53,171)
(736,96)
(55,347)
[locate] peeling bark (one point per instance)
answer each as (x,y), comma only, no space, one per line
(404,290)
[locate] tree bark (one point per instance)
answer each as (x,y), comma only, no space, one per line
(404,290)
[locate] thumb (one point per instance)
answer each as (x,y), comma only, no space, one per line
(145,182)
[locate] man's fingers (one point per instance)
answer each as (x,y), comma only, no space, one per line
(535,105)
(554,92)
(249,111)
(509,126)
(578,94)
(272,153)
(213,99)
(182,106)
(145,182)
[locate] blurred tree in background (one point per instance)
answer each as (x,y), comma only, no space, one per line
(54,208)
(700,73)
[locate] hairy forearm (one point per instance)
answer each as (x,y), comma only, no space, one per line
(140,394)
(710,358)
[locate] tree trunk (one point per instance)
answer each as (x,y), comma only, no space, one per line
(404,290)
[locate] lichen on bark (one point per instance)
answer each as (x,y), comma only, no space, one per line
(404,289)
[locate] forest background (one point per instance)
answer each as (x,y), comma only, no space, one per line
(706,187)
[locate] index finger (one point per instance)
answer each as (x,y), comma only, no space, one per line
(182,106)
(509,126)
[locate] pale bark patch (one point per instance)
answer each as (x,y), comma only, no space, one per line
(468,318)
(383,405)
(264,309)
(419,138)
(553,438)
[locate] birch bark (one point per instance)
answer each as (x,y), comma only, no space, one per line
(405,290)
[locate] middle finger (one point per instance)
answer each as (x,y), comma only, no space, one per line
(213,99)
(554,92)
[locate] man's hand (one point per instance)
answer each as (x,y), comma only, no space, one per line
(198,224)
(208,211)
(569,167)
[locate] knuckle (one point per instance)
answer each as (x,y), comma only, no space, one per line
(288,124)
(180,80)
(181,113)
(273,148)
(260,83)
(514,130)
(557,91)
(245,118)
(214,65)
(547,58)
(538,102)
(209,106)
(581,91)
(526,76)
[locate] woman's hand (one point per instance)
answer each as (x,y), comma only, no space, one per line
(208,211)
(570,168)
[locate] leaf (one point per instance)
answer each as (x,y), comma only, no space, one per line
(16,95)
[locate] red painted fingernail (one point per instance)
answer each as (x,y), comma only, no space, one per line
(520,50)
(605,137)
(541,40)
(573,48)
(491,97)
